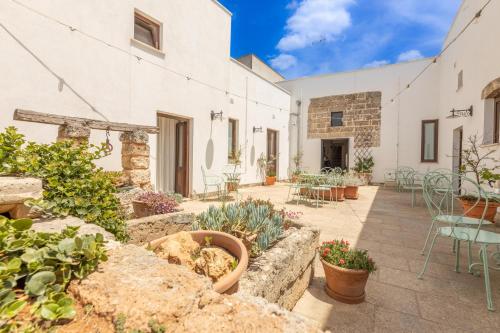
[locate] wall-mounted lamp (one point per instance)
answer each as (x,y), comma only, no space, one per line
(461,113)
(215,115)
(257,129)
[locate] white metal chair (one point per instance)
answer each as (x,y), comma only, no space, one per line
(212,181)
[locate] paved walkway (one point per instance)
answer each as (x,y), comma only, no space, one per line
(383,222)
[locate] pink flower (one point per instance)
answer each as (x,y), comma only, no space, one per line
(341,261)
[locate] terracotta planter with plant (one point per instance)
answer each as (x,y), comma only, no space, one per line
(232,186)
(228,284)
(270,180)
(346,271)
(364,169)
(475,209)
(351,192)
(151,203)
(337,193)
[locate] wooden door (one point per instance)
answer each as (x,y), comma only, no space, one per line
(272,150)
(496,138)
(182,158)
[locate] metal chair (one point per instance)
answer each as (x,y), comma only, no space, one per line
(438,189)
(212,181)
(411,181)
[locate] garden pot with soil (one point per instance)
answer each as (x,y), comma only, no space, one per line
(474,210)
(351,192)
(270,180)
(142,209)
(232,186)
(227,284)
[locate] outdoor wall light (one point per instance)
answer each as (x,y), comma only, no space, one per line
(257,129)
(215,115)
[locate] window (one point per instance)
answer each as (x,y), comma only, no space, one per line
(337,119)
(147,30)
(496,138)
(460,80)
(429,151)
(232,148)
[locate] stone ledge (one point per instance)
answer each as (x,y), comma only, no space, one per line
(282,274)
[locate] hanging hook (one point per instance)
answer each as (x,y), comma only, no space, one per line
(109,146)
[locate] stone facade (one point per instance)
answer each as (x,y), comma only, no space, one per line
(135,158)
(362,114)
(78,133)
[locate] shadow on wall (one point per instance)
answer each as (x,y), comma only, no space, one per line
(209,154)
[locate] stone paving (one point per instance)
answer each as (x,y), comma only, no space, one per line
(383,222)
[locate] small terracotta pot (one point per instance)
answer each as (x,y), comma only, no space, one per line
(229,283)
(478,210)
(232,186)
(141,209)
(366,177)
(345,285)
(351,192)
(270,180)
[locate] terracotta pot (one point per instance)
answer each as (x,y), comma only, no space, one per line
(294,179)
(232,186)
(270,180)
(345,285)
(478,210)
(338,193)
(141,209)
(366,177)
(351,192)
(229,283)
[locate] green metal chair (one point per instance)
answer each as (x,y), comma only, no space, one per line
(401,173)
(411,181)
(438,189)
(389,176)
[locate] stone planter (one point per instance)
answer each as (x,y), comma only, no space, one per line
(141,209)
(477,210)
(229,283)
(270,180)
(345,285)
(351,192)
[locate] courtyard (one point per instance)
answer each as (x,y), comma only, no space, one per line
(383,222)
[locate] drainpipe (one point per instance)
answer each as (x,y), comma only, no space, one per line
(398,109)
(246,124)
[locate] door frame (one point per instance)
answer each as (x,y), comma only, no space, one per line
(277,148)
(188,146)
(344,141)
(457,146)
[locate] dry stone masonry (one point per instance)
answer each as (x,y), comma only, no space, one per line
(362,113)
(14,191)
(135,158)
(78,133)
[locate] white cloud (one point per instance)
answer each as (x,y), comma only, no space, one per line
(293,5)
(410,55)
(283,61)
(315,21)
(376,63)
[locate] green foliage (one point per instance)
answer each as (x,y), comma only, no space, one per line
(254,221)
(36,268)
(339,254)
(10,145)
(72,183)
(481,163)
(364,165)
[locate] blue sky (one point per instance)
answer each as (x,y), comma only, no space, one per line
(308,37)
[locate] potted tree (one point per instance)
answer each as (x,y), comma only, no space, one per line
(233,177)
(364,168)
(483,166)
(267,167)
(297,161)
(346,271)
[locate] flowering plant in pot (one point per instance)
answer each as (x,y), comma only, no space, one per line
(346,271)
(483,165)
(152,203)
(268,168)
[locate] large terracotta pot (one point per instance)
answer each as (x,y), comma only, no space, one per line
(351,192)
(270,180)
(294,179)
(141,209)
(345,285)
(232,186)
(366,177)
(338,193)
(478,210)
(229,283)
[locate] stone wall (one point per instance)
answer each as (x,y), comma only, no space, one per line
(14,191)
(78,133)
(282,274)
(362,113)
(135,158)
(147,229)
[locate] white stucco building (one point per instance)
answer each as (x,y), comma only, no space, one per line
(164,63)
(456,81)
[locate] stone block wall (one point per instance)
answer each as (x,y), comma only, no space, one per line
(362,113)
(135,158)
(79,134)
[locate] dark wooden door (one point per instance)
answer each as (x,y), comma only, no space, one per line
(272,150)
(182,158)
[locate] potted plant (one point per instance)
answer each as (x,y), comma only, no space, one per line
(152,203)
(297,161)
(233,178)
(268,168)
(364,168)
(483,166)
(337,183)
(352,184)
(346,271)
(270,177)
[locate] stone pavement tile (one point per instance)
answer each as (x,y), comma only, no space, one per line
(439,308)
(386,260)
(399,251)
(397,322)
(391,297)
(367,244)
(440,271)
(409,280)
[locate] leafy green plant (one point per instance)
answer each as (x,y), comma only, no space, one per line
(255,222)
(338,253)
(10,145)
(36,268)
(482,164)
(364,165)
(72,183)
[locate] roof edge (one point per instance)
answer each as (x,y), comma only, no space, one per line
(260,76)
(221,6)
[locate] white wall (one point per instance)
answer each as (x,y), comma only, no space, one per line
(419,104)
(196,39)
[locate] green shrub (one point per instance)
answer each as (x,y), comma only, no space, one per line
(338,253)
(10,148)
(36,268)
(72,183)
